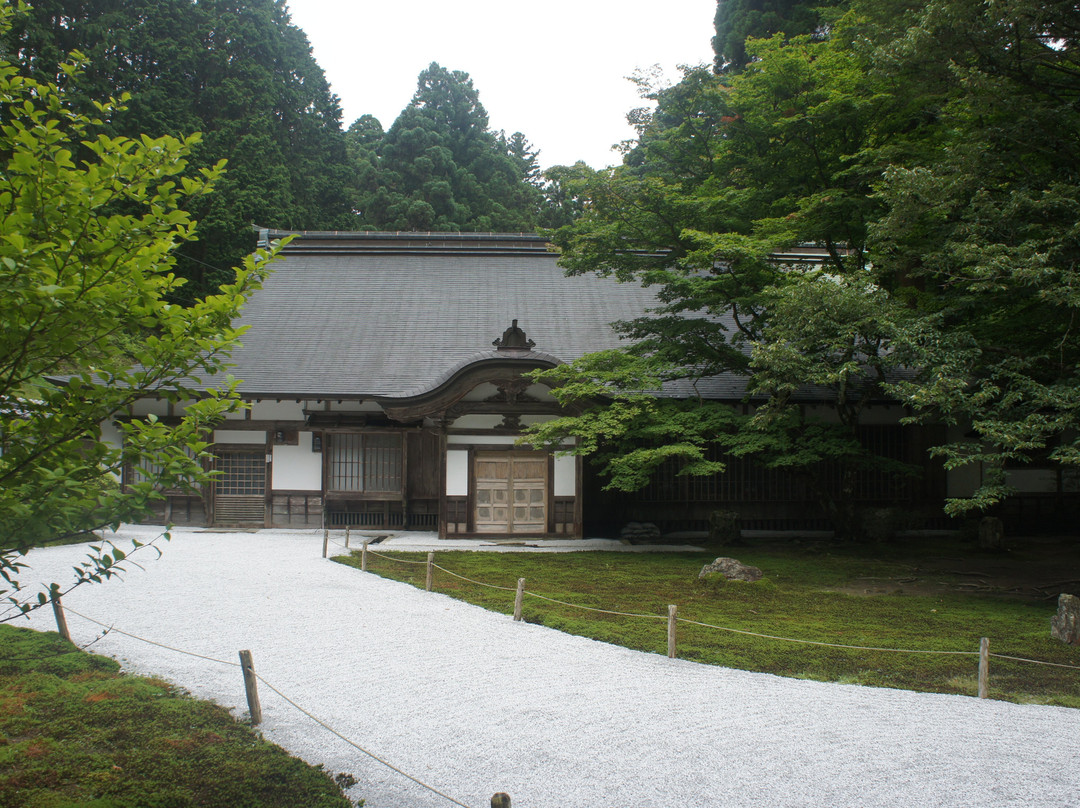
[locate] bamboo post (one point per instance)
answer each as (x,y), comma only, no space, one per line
(363,558)
(325,540)
(671,610)
(500,800)
(517,599)
(251,686)
(984,668)
(61,620)
(347,536)
(430,570)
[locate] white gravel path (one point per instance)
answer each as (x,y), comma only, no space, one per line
(472,703)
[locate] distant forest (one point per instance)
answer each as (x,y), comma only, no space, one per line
(244,76)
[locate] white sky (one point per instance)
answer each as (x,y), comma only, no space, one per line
(552,69)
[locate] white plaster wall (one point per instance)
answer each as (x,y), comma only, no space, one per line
(495,440)
(882,415)
(353,406)
(266,410)
(457,473)
(478,422)
(529,420)
(565,476)
(1032,481)
(111,435)
(481,392)
(541,392)
(962,482)
(150,406)
(239,436)
(297,468)
(239,415)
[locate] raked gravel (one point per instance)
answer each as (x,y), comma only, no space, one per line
(472,703)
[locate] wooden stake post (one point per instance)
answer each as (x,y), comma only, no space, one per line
(346,537)
(251,685)
(430,570)
(61,621)
(671,610)
(517,599)
(363,558)
(984,668)
(325,540)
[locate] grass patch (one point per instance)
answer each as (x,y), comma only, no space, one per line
(76,733)
(811,593)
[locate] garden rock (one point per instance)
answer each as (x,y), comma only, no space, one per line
(991,533)
(724,527)
(1065,625)
(640,532)
(731,569)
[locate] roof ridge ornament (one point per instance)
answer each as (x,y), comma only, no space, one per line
(514,339)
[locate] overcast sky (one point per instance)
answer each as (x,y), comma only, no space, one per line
(552,69)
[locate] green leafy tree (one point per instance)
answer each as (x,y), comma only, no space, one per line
(928,149)
(87,249)
(238,72)
(981,225)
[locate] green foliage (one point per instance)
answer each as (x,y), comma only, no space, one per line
(87,249)
(439,167)
(928,150)
(738,20)
(239,73)
(810,593)
(74,732)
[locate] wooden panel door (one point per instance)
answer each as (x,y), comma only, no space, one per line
(492,492)
(511,492)
(529,492)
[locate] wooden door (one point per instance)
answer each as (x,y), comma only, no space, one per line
(511,492)
(240,488)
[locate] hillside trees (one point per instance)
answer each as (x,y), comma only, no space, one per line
(926,150)
(440,167)
(90,223)
(238,72)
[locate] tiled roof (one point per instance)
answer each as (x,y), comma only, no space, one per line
(358,315)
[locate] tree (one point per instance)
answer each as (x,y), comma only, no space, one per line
(929,149)
(439,166)
(981,224)
(738,20)
(238,72)
(87,250)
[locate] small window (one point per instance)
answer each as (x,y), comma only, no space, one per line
(365,463)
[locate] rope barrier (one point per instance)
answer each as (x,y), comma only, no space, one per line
(728,629)
(826,644)
(601,611)
(152,642)
(471,581)
(1037,661)
(359,748)
(390,558)
(314,718)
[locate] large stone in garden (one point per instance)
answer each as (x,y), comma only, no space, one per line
(991,533)
(640,532)
(731,569)
(1065,625)
(724,527)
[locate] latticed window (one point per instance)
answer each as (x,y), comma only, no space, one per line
(367,463)
(243,473)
